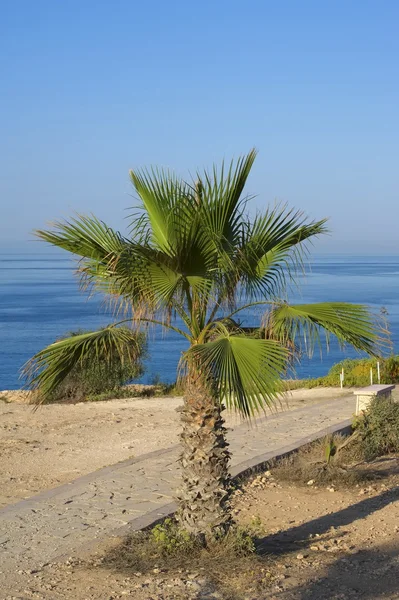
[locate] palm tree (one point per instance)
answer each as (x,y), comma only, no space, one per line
(193,261)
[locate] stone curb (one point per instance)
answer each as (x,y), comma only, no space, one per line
(240,472)
(257,463)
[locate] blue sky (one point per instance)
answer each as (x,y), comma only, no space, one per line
(90,89)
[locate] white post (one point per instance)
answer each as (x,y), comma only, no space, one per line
(340,380)
(378,372)
(371,376)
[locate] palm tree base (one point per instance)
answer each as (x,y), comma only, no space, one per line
(204,497)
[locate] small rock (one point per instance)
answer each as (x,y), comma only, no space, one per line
(301,556)
(194,585)
(310,482)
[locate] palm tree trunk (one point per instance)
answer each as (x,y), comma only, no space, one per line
(204,497)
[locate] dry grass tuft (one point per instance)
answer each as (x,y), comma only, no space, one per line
(311,464)
(226,565)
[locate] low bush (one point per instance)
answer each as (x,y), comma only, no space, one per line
(169,539)
(93,379)
(356,372)
(344,461)
(166,546)
(378,428)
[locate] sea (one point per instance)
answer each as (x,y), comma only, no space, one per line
(40,301)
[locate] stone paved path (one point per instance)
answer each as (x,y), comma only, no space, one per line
(137,491)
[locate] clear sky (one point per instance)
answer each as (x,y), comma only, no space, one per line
(91,88)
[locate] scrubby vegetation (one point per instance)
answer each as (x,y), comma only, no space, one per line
(322,463)
(168,547)
(378,428)
(357,373)
(168,539)
(94,378)
(340,460)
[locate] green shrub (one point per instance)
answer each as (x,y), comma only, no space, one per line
(390,370)
(93,379)
(379,428)
(169,538)
(356,372)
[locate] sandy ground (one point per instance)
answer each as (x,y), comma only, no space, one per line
(317,545)
(43,448)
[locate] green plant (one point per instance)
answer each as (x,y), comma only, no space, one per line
(170,538)
(194,259)
(390,370)
(99,376)
(241,541)
(357,371)
(256,526)
(330,449)
(379,428)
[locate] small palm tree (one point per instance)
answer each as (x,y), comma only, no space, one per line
(193,260)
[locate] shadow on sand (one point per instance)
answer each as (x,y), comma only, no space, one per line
(368,574)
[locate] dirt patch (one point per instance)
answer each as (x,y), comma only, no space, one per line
(57,443)
(327,543)
(313,544)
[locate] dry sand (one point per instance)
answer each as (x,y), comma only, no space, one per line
(54,444)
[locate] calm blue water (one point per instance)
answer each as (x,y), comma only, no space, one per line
(40,300)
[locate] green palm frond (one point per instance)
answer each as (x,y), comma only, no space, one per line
(142,276)
(49,367)
(307,324)
(244,373)
(98,246)
(85,236)
(221,197)
(273,248)
(162,195)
